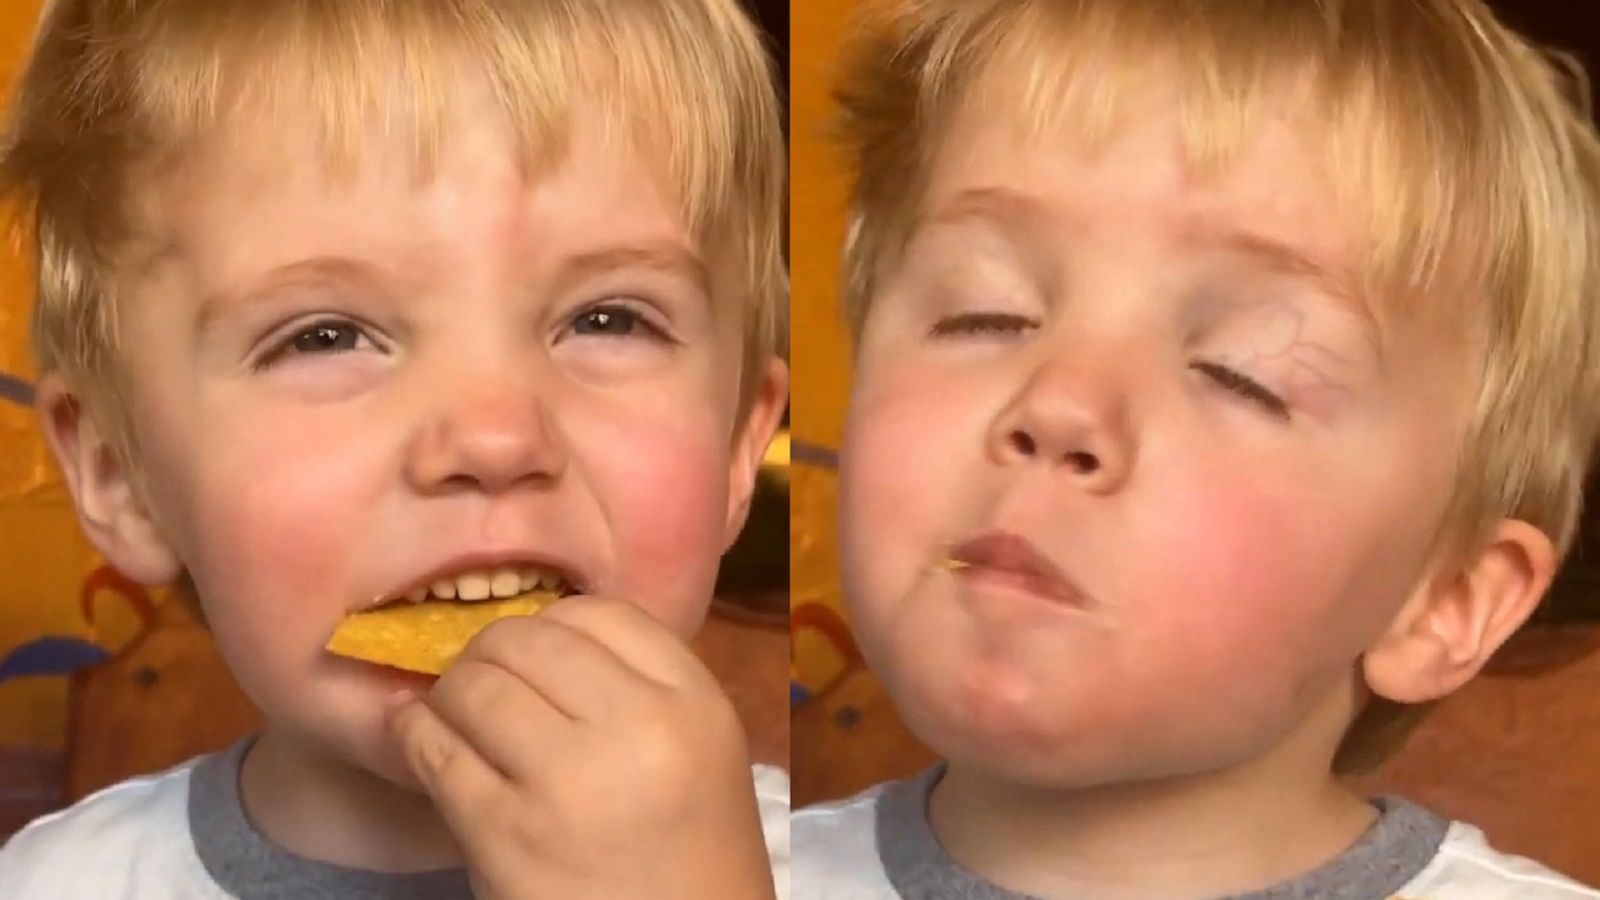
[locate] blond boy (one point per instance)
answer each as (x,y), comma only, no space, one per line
(354,303)
(1225,372)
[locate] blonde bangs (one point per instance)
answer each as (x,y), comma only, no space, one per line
(117,90)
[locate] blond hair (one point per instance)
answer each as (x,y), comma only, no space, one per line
(116,90)
(1470,153)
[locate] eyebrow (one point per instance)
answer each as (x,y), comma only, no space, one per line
(1283,258)
(666,257)
(997,205)
(1286,259)
(312,271)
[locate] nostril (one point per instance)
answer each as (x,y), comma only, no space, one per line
(1086,463)
(1024,443)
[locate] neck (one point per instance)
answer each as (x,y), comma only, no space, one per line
(303,798)
(1234,830)
(1177,839)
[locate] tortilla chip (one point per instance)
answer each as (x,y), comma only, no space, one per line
(428,636)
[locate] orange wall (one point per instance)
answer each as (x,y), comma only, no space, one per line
(31,514)
(43,556)
(821,359)
(820,350)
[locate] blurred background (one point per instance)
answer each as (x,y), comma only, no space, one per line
(1516,752)
(101,679)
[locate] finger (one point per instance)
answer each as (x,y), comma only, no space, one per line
(578,675)
(643,642)
(447,767)
(515,728)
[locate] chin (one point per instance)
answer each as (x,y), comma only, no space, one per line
(1043,740)
(386,762)
(342,718)
(362,741)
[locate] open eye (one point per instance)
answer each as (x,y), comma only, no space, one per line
(978,324)
(323,337)
(1244,386)
(614,320)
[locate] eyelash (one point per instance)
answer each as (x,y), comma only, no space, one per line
(625,313)
(982,323)
(1244,386)
(287,346)
(990,323)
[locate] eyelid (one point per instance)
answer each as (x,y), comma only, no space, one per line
(1243,385)
(277,341)
(982,323)
(649,315)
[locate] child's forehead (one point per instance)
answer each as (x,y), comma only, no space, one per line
(1277,177)
(1273,191)
(261,157)
(241,215)
(395,90)
(1000,196)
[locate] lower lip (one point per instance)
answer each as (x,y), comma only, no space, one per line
(986,579)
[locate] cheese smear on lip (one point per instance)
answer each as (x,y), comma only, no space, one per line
(426,636)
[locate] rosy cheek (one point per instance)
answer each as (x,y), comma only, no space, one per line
(888,454)
(667,507)
(275,530)
(1232,569)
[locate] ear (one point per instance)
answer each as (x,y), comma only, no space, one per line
(103,492)
(750,444)
(1457,619)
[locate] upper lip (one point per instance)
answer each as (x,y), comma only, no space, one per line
(1012,555)
(489,561)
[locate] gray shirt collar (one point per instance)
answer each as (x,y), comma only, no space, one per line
(249,867)
(1399,844)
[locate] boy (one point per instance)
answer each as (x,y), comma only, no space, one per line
(1222,369)
(356,303)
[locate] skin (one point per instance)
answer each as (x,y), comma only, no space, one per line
(1168,385)
(340,384)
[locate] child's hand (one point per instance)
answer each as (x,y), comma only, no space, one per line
(586,752)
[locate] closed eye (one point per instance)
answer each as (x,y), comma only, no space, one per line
(1244,386)
(975,324)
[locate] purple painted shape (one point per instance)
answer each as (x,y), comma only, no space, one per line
(51,656)
(16,390)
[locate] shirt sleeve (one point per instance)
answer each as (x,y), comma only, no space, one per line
(772,795)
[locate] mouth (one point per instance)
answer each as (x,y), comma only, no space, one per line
(1008,560)
(480,580)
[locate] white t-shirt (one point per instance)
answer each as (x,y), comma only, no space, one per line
(878,845)
(182,835)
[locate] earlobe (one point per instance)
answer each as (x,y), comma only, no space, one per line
(750,444)
(1456,620)
(108,506)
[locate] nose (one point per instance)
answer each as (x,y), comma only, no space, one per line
(488,439)
(1072,417)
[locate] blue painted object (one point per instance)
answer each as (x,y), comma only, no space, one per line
(51,656)
(16,390)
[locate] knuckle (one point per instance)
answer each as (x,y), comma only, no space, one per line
(516,821)
(500,639)
(473,687)
(437,758)
(665,749)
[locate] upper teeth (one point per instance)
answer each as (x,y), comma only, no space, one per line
(485,584)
